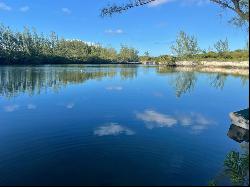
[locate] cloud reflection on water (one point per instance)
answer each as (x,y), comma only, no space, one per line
(195,121)
(31,107)
(11,108)
(113,129)
(155,119)
(114,88)
(70,105)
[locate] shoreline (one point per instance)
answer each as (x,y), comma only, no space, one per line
(191,64)
(207,64)
(227,71)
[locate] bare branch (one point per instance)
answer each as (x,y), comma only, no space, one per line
(110,10)
(240,7)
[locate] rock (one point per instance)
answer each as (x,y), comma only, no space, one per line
(240,118)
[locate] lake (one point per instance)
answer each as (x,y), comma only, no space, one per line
(116,124)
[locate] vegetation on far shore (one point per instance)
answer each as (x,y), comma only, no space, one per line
(230,56)
(29,47)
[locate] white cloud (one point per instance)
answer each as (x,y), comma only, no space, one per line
(111,31)
(194,2)
(24,9)
(182,2)
(11,108)
(114,88)
(113,129)
(159,2)
(66,10)
(3,6)
(155,119)
(31,107)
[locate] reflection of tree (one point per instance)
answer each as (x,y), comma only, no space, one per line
(128,72)
(219,81)
(185,78)
(244,80)
(184,82)
(236,164)
(32,80)
(238,134)
(237,167)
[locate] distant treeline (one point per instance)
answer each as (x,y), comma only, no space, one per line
(186,48)
(29,47)
(237,55)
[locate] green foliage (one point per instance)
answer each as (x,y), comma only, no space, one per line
(237,55)
(128,54)
(166,60)
(222,46)
(185,46)
(29,47)
(237,167)
(212,183)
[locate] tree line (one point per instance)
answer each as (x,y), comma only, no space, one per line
(30,47)
(186,47)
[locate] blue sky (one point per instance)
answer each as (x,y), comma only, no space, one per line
(149,28)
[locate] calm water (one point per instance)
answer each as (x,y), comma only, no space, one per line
(115,125)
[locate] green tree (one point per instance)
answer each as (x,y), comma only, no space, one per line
(222,46)
(185,45)
(30,47)
(128,54)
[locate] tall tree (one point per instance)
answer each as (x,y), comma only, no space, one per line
(185,45)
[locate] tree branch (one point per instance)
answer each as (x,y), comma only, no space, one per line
(238,6)
(108,11)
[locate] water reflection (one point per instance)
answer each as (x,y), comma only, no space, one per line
(77,124)
(236,163)
(33,80)
(218,81)
(192,120)
(11,108)
(185,81)
(114,88)
(31,107)
(128,73)
(113,129)
(154,119)
(238,134)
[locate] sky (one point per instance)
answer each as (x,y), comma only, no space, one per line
(151,28)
